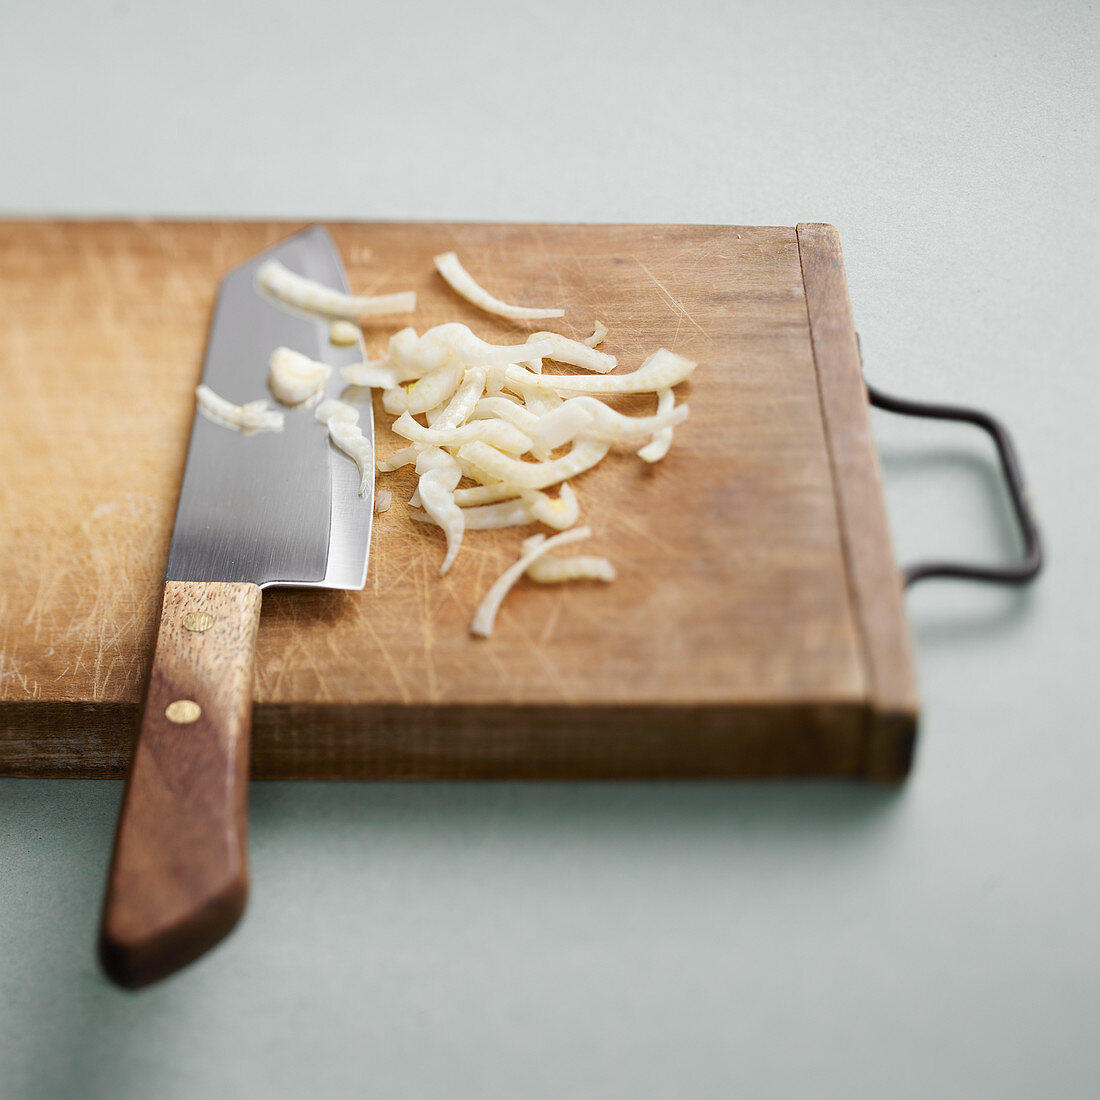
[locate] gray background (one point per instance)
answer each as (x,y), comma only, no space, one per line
(679,940)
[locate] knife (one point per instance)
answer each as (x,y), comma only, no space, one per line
(271,508)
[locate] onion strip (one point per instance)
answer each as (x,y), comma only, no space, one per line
(407,456)
(312,297)
(658,446)
(558,513)
(497,433)
(487,517)
(463,283)
(551,570)
(453,343)
(597,336)
(501,408)
(590,415)
(377,375)
(343,334)
(662,370)
(486,613)
(464,401)
(295,379)
(574,352)
(434,388)
(439,474)
(436,490)
(486,494)
(342,422)
(254,416)
(395,400)
(586,452)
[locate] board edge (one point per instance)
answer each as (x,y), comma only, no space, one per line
(874,582)
(469,742)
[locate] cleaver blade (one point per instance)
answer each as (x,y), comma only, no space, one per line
(255,510)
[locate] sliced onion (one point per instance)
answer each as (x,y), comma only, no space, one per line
(331,409)
(539,400)
(357,446)
(550,570)
(658,447)
(470,471)
(574,352)
(494,378)
(502,408)
(407,456)
(465,398)
(462,282)
(295,379)
(486,517)
(344,431)
(556,428)
(662,370)
(377,375)
(561,426)
(597,336)
(486,613)
(343,334)
(586,452)
(497,433)
(254,416)
(560,512)
(437,485)
(483,411)
(312,297)
(395,400)
(432,415)
(435,458)
(436,387)
(486,494)
(450,344)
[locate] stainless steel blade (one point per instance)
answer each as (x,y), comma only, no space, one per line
(272,507)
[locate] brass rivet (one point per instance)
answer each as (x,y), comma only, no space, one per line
(183,711)
(198,621)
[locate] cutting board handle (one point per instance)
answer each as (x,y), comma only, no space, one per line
(179,874)
(1021,572)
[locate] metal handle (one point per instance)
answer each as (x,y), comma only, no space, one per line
(1032,562)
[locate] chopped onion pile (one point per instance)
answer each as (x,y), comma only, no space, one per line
(254,416)
(469,412)
(494,431)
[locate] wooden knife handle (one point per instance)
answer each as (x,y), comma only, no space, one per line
(179,875)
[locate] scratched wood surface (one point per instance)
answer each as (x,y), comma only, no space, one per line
(734,642)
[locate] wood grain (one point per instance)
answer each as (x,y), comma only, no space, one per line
(731,644)
(179,875)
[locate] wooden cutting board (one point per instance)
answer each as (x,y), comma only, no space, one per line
(756,627)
